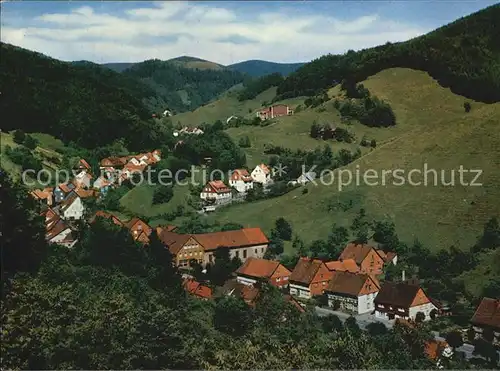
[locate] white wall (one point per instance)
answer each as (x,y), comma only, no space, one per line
(245,280)
(257,251)
(424,308)
(240,185)
(300,291)
(366,303)
(75,210)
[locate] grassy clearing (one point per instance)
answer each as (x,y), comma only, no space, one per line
(45,151)
(432,128)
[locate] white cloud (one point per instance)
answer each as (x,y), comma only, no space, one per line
(171,29)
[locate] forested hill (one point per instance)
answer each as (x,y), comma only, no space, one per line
(183,87)
(83,103)
(258,68)
(463,55)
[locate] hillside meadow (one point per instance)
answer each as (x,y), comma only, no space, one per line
(432,128)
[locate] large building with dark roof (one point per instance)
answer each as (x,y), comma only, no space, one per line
(402,300)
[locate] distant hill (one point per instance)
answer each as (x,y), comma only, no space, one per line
(117,67)
(182,85)
(463,55)
(258,68)
(192,62)
(81,102)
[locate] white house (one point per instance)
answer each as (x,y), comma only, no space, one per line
(352,292)
(304,178)
(216,191)
(261,174)
(241,180)
(72,207)
(57,231)
(83,179)
(402,300)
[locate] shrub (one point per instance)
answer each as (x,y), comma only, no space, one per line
(18,136)
(467,107)
(373,143)
(30,142)
(162,194)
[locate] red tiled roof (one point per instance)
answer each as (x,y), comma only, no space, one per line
(260,268)
(56,229)
(219,186)
(114,161)
(65,187)
(358,252)
(41,194)
(487,313)
(241,174)
(305,270)
(434,348)
(174,241)
(84,164)
(387,256)
(104,214)
(264,168)
(237,238)
(210,241)
(348,283)
(195,288)
(84,193)
(138,227)
(348,265)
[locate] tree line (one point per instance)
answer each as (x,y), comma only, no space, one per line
(462,55)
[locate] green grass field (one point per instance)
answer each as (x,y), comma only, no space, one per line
(432,128)
(46,151)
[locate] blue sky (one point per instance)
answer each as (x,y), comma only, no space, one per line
(224,32)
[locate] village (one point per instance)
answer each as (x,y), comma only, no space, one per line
(354,285)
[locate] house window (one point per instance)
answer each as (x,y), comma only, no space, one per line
(256,251)
(237,253)
(278,279)
(324,283)
(244,254)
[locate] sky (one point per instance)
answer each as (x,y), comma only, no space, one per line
(224,32)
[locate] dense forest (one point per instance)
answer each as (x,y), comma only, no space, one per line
(84,103)
(464,55)
(254,87)
(183,88)
(257,68)
(110,304)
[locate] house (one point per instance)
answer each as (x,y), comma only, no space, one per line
(114,162)
(348,265)
(44,196)
(365,256)
(216,191)
(261,174)
(57,231)
(309,278)
(191,131)
(243,243)
(130,169)
(102,184)
(83,165)
(256,270)
(241,180)
(60,233)
(71,207)
(436,350)
(487,316)
(196,289)
(85,193)
(248,293)
(402,300)
(388,256)
(351,292)
(274,111)
(83,179)
(140,230)
(62,191)
(106,215)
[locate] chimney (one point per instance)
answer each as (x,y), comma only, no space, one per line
(403,276)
